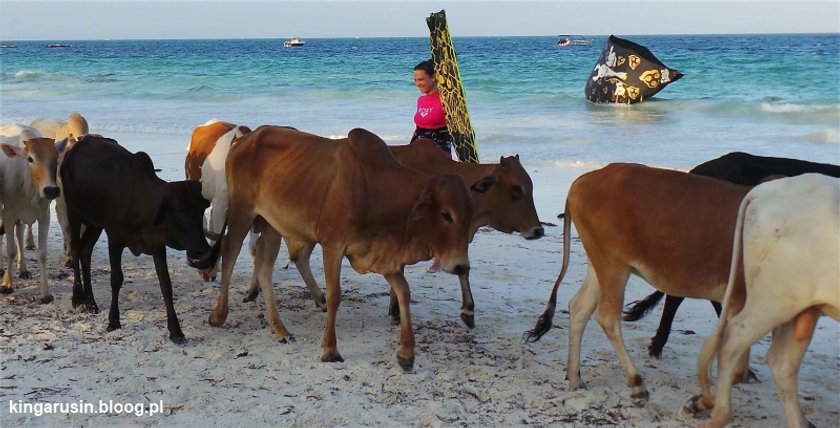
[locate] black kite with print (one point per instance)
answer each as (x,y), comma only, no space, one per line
(627,73)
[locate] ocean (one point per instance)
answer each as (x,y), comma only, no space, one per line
(774,95)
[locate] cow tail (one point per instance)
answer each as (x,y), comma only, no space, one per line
(712,344)
(545,321)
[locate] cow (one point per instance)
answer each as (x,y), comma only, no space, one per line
(205,163)
(59,130)
(28,186)
(14,134)
(354,199)
(671,228)
(736,167)
(108,188)
(785,274)
(505,202)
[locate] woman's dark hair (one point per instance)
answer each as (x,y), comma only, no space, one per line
(428,66)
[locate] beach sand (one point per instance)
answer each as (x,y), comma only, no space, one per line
(239,375)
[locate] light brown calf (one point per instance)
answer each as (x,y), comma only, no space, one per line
(671,228)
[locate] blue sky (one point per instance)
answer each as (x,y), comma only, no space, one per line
(69,20)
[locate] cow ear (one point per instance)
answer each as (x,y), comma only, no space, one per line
(10,151)
(160,216)
(484,184)
(61,145)
(422,205)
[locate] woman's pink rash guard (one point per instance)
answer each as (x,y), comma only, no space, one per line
(430,112)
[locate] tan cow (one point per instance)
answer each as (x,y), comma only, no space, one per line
(671,228)
(76,126)
(785,274)
(205,163)
(350,196)
(27,185)
(503,200)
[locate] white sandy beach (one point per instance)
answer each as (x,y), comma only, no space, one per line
(239,375)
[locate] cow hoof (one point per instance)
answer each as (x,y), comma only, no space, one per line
(6,290)
(208,276)
(750,377)
(468,319)
(47,299)
(321,304)
(91,307)
(655,351)
(696,404)
(640,399)
(178,340)
(68,264)
(289,338)
(25,275)
(406,363)
(217,320)
(30,247)
(332,358)
(395,320)
(115,326)
(251,296)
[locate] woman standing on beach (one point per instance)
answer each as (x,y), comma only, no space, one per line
(430,118)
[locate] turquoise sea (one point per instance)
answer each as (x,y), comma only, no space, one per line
(773,95)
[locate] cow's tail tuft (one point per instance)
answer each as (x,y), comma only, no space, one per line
(637,310)
(544,323)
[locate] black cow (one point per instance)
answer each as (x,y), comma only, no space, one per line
(107,187)
(740,168)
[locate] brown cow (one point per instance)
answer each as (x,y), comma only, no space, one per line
(351,197)
(671,228)
(503,200)
(205,163)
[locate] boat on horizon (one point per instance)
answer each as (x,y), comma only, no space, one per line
(294,41)
(569,40)
(5,46)
(58,45)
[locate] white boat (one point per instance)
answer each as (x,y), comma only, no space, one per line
(294,41)
(567,40)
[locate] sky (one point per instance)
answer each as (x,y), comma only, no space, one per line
(168,19)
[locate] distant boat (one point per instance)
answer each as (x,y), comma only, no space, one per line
(7,46)
(567,40)
(58,45)
(294,41)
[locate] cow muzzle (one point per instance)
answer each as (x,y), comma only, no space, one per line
(536,233)
(52,192)
(201,259)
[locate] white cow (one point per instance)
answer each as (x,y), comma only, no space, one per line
(75,126)
(14,134)
(205,162)
(28,185)
(785,274)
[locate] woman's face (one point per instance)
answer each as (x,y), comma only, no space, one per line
(424,82)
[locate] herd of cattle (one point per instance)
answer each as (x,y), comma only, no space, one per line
(780,273)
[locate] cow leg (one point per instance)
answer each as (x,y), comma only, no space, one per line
(30,239)
(23,270)
(742,330)
(218,210)
(332,273)
(790,341)
(43,231)
(467,303)
(175,333)
(268,245)
(612,280)
(405,352)
(580,310)
(11,252)
(64,224)
(89,239)
(300,253)
(394,307)
(239,223)
(115,251)
(657,342)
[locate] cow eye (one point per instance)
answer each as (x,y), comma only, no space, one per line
(448,217)
(30,159)
(517,191)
